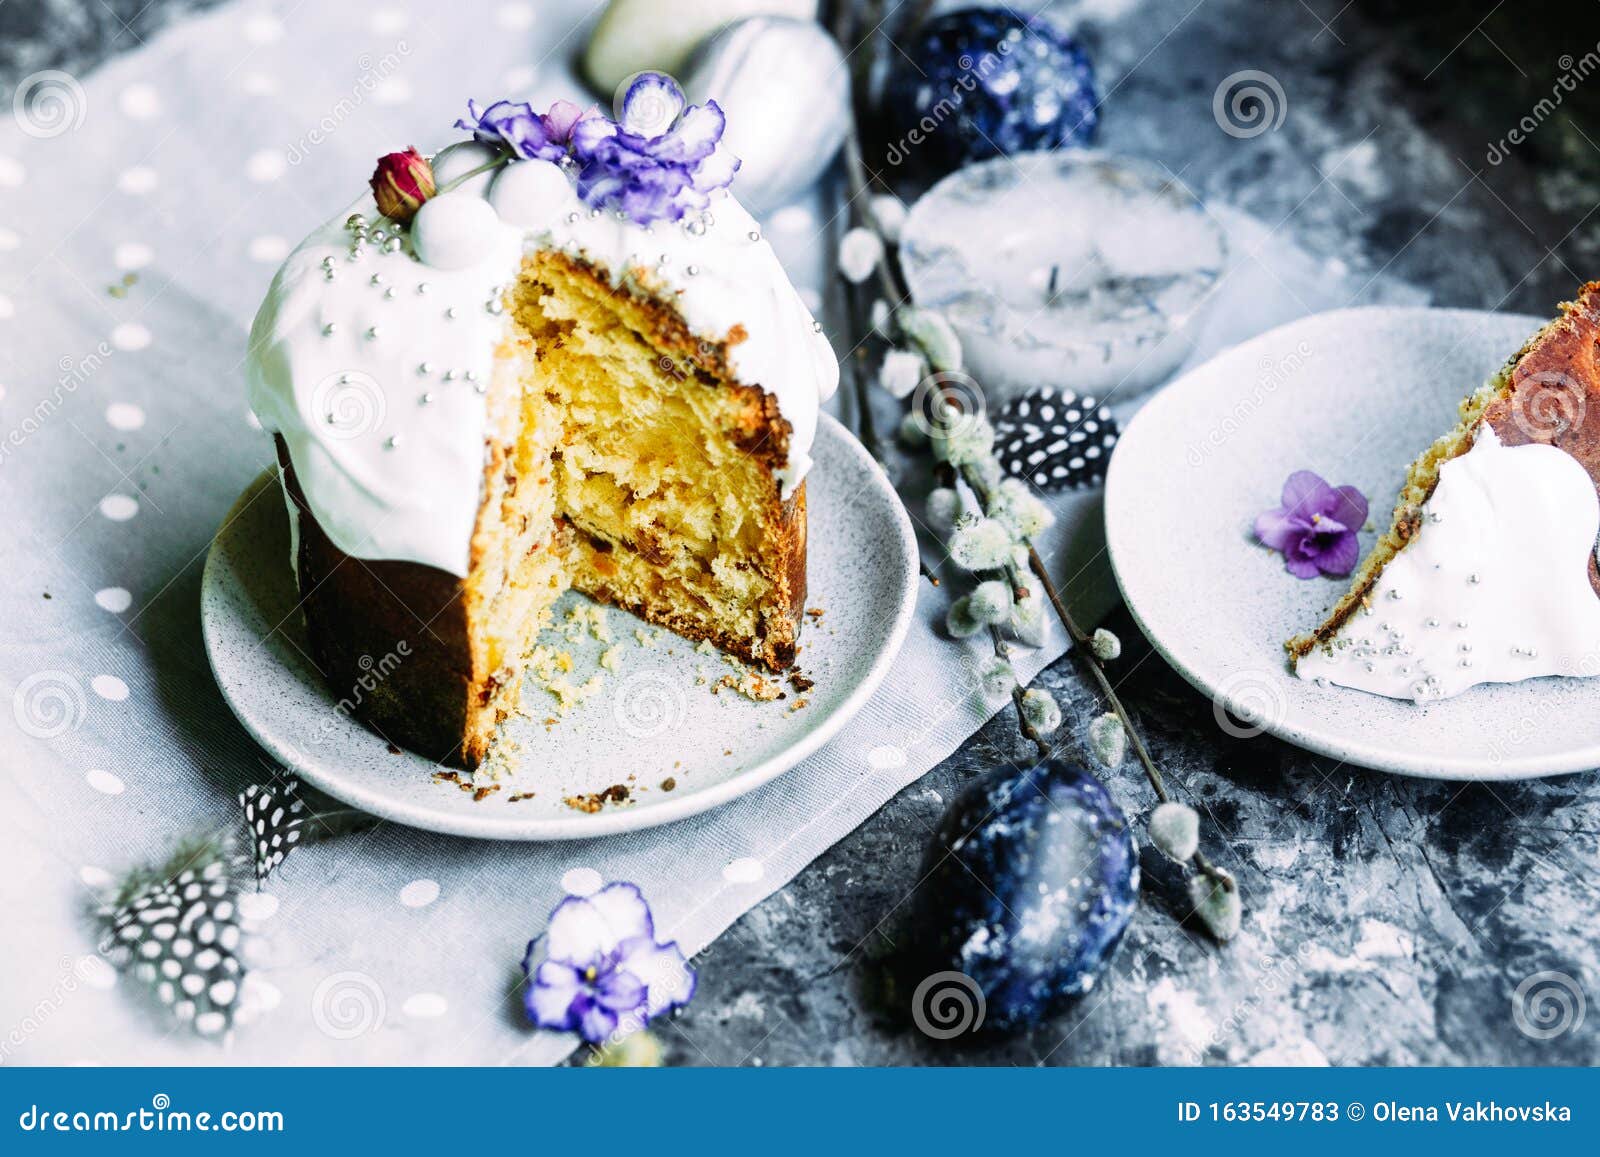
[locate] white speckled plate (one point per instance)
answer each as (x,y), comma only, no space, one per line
(654,719)
(1354,395)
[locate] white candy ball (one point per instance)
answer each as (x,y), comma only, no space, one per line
(530,193)
(460,159)
(454,231)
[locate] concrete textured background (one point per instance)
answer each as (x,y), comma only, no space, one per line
(1388,921)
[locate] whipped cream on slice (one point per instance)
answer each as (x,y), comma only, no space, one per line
(1494,587)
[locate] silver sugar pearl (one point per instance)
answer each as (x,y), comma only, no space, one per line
(379,234)
(329,330)
(816,327)
(1466,662)
(1462,624)
(1433,622)
(427,397)
(495,305)
(388,294)
(754,235)
(1464,648)
(425,368)
(691,270)
(449,375)
(392,245)
(422,287)
(394,440)
(1474,578)
(372,333)
(375,280)
(452,313)
(1394,594)
(572,218)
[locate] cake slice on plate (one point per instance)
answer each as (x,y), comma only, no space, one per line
(1488,572)
(558,356)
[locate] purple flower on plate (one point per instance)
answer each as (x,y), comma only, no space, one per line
(603,968)
(530,135)
(1316,526)
(660,159)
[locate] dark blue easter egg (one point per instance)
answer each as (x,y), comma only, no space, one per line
(1029,884)
(981,82)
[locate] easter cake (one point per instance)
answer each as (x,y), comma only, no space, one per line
(555,355)
(1487,573)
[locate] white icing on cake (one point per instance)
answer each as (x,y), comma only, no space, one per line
(1494,587)
(375,376)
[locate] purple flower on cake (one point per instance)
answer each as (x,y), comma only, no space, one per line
(661,158)
(603,969)
(1316,526)
(530,135)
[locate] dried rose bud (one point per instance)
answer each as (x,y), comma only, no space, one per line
(401,183)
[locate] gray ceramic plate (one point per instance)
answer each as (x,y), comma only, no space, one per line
(1354,395)
(655,719)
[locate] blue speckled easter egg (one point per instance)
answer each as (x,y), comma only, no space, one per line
(985,81)
(1029,885)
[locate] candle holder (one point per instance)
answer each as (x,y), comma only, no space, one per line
(1068,268)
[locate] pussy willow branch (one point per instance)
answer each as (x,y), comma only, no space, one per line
(894,290)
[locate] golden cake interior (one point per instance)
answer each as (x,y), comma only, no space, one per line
(624,461)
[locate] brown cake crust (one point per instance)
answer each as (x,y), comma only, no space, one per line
(1548,392)
(360,611)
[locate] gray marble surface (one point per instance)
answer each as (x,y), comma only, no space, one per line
(1387,921)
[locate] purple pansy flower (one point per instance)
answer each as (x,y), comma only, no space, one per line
(659,159)
(1316,526)
(603,967)
(530,135)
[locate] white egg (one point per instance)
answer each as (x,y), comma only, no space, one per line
(634,35)
(753,69)
(454,231)
(530,193)
(460,159)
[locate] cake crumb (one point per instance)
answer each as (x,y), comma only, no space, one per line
(751,684)
(669,783)
(519,796)
(800,682)
(611,657)
(482,793)
(593,801)
(647,638)
(569,694)
(815,612)
(704,647)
